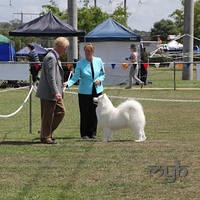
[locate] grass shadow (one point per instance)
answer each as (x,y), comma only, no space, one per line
(59,138)
(18,143)
(118,140)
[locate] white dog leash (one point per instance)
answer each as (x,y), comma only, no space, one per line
(67,80)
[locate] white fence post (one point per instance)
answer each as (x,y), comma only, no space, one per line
(198,72)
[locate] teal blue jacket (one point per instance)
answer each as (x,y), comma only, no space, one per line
(84,73)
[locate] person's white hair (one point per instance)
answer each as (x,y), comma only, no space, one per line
(61,42)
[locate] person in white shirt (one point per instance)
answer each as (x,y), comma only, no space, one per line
(134,68)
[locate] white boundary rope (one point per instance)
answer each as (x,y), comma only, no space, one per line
(14,113)
(148,99)
(151,99)
(13,89)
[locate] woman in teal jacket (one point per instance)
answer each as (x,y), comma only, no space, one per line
(90,71)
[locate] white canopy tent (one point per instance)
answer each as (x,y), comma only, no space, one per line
(173,45)
(113,54)
(112,42)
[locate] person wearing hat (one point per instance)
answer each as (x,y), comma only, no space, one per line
(134,68)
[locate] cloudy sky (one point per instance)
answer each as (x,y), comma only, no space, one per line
(144,13)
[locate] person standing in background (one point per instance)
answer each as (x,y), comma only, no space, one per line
(35,65)
(134,68)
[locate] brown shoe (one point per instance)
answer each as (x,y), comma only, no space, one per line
(43,139)
(47,141)
(142,85)
(51,142)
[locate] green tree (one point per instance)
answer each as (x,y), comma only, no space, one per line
(163,28)
(178,16)
(52,7)
(197,20)
(18,42)
(120,15)
(88,17)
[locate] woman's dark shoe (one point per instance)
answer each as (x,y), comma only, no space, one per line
(93,137)
(84,137)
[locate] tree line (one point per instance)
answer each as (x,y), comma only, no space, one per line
(89,17)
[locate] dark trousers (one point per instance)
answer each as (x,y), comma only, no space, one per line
(88,118)
(52,113)
(34,72)
(143,74)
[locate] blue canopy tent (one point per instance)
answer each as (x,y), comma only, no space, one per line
(112,41)
(39,50)
(7,51)
(111,30)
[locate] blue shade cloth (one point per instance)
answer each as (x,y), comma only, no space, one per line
(111,30)
(7,52)
(38,49)
(46,25)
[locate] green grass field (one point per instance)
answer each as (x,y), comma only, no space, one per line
(92,170)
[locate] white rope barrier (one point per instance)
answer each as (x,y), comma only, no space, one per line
(14,113)
(13,89)
(151,99)
(148,99)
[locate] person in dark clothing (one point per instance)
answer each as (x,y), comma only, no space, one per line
(144,59)
(35,66)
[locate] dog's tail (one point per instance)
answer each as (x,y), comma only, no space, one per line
(131,104)
(136,110)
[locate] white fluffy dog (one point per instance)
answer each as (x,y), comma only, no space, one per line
(128,114)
